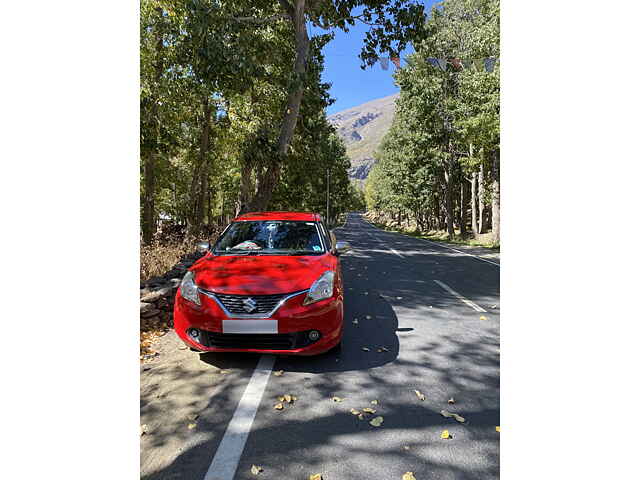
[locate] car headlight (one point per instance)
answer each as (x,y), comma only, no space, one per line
(322,288)
(189,289)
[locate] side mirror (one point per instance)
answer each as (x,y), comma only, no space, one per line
(202,247)
(342,247)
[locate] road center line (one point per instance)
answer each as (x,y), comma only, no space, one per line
(225,462)
(456,294)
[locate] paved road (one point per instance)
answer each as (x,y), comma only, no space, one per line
(442,339)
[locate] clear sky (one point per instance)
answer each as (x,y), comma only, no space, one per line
(351,85)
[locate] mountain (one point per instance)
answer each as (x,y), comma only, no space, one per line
(362,129)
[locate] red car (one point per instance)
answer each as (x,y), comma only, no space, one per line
(271,284)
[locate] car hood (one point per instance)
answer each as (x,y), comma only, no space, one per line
(260,274)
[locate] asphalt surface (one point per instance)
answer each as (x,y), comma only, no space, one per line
(436,343)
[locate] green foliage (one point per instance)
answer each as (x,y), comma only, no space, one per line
(446,123)
(215,81)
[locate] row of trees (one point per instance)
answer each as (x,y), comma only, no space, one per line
(232,106)
(439,162)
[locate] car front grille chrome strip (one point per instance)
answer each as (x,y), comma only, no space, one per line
(237,300)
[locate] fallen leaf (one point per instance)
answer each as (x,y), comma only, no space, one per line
(354,411)
(315,476)
(482,317)
(445,434)
(278,373)
(498,430)
(368,317)
(494,306)
(355,322)
(369,410)
(255,469)
(405,447)
(288,399)
(451,401)
(455,416)
(366,349)
(408,476)
(192,426)
(337,399)
(420,395)
(361,416)
(144,429)
(281,398)
(374,402)
(278,406)
(382,349)
(376,422)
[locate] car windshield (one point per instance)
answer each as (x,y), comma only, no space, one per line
(270,237)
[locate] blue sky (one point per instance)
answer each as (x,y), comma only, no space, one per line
(351,85)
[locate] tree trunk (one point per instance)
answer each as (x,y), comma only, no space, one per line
(481,220)
(267,182)
(463,213)
(200,171)
(474,215)
(149,167)
(448,196)
(495,197)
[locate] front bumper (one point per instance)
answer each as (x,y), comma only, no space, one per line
(294,322)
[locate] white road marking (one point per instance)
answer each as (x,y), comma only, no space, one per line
(395,251)
(456,294)
(443,246)
(459,251)
(225,462)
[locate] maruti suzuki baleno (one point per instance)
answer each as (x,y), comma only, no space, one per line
(271,284)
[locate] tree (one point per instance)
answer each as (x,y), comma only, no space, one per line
(446,129)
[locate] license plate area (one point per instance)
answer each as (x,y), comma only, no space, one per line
(250,326)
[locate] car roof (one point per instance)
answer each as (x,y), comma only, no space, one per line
(300,216)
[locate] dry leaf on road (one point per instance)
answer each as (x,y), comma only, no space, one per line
(192,426)
(482,317)
(498,430)
(354,411)
(451,401)
(255,469)
(315,476)
(337,399)
(408,476)
(278,406)
(445,434)
(383,349)
(369,410)
(278,373)
(376,422)
(355,322)
(374,402)
(144,429)
(366,349)
(420,395)
(457,417)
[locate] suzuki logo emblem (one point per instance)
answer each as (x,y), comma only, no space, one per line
(249,304)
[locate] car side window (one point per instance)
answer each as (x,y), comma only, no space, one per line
(327,237)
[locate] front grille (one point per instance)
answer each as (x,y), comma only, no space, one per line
(261,341)
(263,303)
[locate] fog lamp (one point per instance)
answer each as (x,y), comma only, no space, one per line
(314,335)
